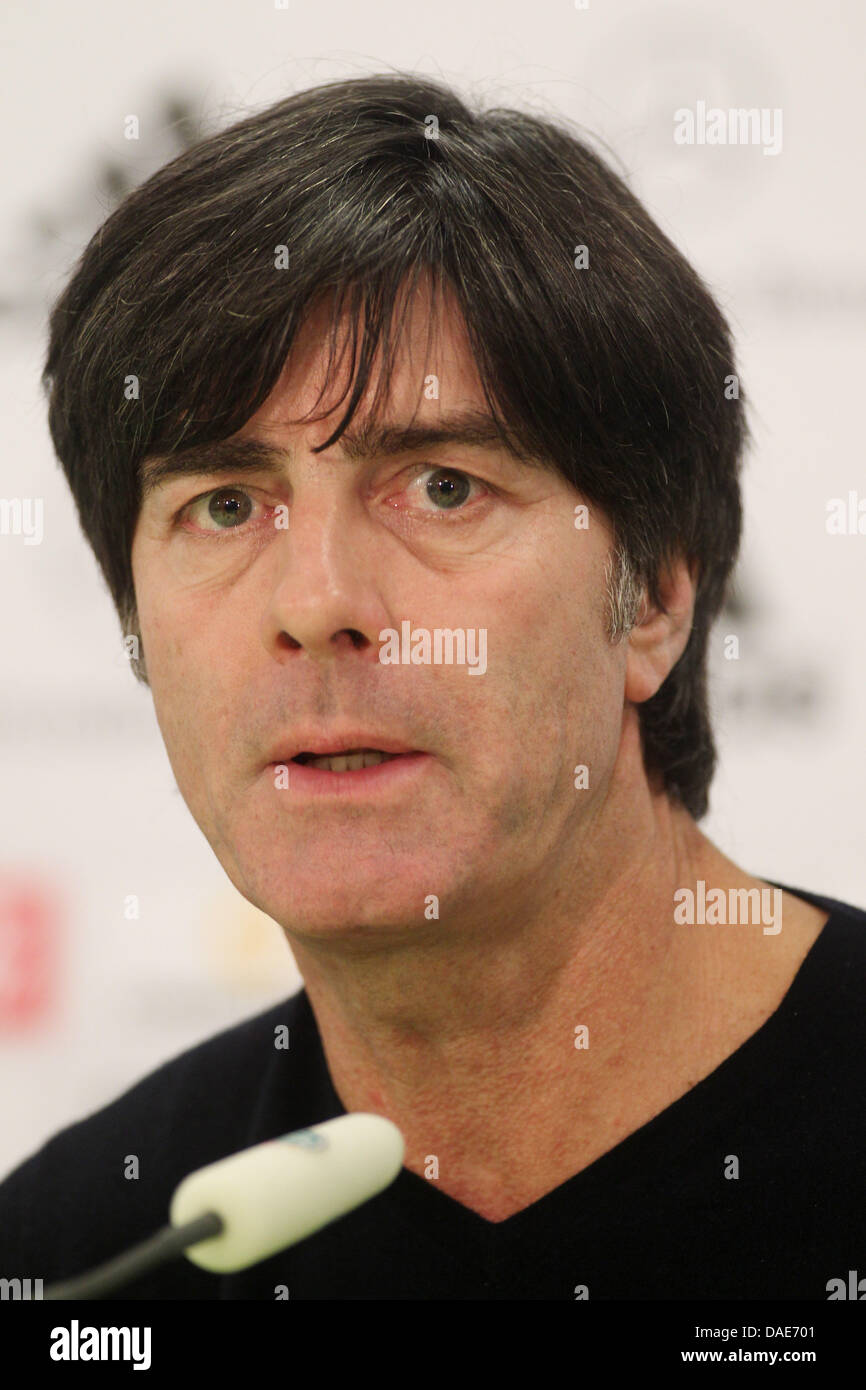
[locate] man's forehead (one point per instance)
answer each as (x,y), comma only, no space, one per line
(432,365)
(434,399)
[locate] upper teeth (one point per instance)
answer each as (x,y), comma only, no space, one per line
(350,762)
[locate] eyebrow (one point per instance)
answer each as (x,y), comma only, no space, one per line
(472,429)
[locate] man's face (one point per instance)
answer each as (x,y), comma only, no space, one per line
(262,598)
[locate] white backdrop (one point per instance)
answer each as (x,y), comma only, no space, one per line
(90,1001)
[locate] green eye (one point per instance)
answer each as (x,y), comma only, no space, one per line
(229,506)
(448,488)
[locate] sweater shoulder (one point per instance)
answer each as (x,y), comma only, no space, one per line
(106,1181)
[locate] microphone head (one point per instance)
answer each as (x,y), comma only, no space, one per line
(274,1194)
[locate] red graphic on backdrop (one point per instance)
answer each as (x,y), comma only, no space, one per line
(29,936)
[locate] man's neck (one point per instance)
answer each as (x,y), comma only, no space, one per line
(514,1054)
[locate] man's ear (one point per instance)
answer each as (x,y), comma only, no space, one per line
(659,636)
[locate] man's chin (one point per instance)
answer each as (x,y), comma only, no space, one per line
(350,930)
(352,905)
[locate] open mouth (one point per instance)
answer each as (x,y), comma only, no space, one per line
(352,760)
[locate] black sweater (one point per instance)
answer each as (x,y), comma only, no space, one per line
(653,1218)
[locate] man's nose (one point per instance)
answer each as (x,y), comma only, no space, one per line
(326,595)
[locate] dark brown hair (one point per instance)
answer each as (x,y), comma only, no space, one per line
(613,373)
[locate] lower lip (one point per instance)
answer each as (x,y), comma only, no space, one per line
(304,780)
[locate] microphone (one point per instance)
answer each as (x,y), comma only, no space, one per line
(273,1195)
(242,1209)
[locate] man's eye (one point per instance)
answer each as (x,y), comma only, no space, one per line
(227,507)
(446,488)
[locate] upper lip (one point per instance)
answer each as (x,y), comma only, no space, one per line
(325,744)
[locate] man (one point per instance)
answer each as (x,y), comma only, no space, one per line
(367,382)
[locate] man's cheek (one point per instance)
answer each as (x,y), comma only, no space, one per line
(177,657)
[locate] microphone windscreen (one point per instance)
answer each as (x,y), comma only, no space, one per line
(274,1194)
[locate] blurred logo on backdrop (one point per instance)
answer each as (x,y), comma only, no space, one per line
(29,940)
(675,59)
(762,678)
(42,236)
(244,950)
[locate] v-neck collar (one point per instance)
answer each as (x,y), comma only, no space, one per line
(719,1093)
